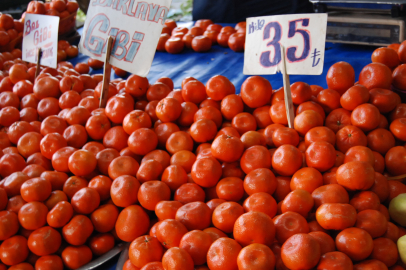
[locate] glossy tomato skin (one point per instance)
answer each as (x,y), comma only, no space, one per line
(187,40)
(95,64)
(180,29)
(355,242)
(222,38)
(212,34)
(36,7)
(300,251)
(203,23)
(174,45)
(236,42)
(201,44)
(170,23)
(76,256)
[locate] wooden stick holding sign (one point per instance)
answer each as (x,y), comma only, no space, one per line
(286,89)
(106,74)
(39,54)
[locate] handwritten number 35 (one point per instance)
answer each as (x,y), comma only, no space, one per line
(265,58)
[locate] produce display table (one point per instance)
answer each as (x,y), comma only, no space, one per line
(224,61)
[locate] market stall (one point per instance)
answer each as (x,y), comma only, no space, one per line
(197,166)
(223,61)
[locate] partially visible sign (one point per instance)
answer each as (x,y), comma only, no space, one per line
(41,31)
(302,35)
(136,27)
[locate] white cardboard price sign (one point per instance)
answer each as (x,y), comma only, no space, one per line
(136,27)
(41,31)
(302,35)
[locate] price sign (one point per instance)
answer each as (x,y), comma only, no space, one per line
(41,31)
(136,27)
(302,35)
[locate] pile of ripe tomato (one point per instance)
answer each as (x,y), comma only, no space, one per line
(9,29)
(60,8)
(65,50)
(201,177)
(201,37)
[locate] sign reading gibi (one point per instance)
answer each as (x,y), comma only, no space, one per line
(136,27)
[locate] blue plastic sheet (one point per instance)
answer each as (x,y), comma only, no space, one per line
(224,61)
